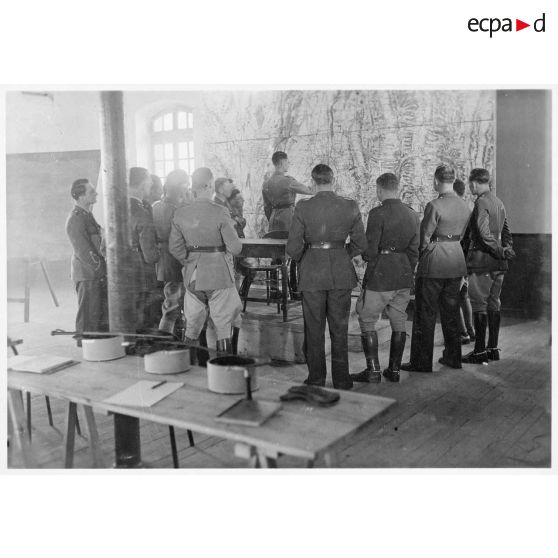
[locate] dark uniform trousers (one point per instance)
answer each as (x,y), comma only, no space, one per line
(317,307)
(432,294)
(92,314)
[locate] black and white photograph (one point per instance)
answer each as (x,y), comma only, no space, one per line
(230,278)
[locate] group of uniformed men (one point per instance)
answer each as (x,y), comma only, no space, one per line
(188,239)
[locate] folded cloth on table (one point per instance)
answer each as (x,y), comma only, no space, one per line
(311,394)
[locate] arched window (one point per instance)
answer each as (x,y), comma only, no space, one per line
(172,136)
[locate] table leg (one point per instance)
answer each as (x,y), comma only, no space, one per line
(266,461)
(49,411)
(190,438)
(330,458)
(47,279)
(20,436)
(94,443)
(175,462)
(70,435)
(284,289)
(127,442)
(28,399)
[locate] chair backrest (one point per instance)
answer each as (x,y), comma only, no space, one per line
(279,235)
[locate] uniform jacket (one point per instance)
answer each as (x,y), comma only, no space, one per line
(205,223)
(236,214)
(446,215)
(85,235)
(326,217)
(168,268)
(145,252)
(487,235)
(393,226)
(279,195)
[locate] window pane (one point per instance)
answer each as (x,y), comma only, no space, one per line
(167,124)
(190,120)
(158,124)
(191,149)
(158,151)
(184,165)
(182,120)
(168,151)
(160,169)
(183,150)
(191,166)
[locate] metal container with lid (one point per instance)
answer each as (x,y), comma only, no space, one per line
(225,374)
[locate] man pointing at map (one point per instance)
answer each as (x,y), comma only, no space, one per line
(279,194)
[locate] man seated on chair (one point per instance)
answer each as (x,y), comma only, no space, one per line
(202,233)
(88,266)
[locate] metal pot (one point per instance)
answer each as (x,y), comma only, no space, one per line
(107,347)
(167,362)
(225,374)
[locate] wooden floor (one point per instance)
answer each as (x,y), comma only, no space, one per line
(482,416)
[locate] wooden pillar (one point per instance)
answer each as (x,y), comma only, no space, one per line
(122,311)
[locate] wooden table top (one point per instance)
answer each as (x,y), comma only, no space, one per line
(298,429)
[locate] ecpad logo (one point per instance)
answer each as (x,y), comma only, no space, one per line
(493,25)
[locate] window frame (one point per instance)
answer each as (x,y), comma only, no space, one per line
(174,137)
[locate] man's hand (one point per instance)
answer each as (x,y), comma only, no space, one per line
(509,253)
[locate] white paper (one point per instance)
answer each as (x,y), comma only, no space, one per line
(142,394)
(39,364)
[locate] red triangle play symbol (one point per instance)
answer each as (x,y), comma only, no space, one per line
(519,25)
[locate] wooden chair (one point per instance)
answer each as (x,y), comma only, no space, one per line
(271,270)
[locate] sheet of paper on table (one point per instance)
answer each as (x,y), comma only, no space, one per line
(39,364)
(142,394)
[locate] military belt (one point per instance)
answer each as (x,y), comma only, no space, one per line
(445,238)
(206,248)
(326,245)
(282,206)
(391,250)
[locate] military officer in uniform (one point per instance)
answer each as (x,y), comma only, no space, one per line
(145,252)
(317,240)
(279,194)
(202,234)
(88,266)
(489,246)
(440,269)
(169,269)
(392,234)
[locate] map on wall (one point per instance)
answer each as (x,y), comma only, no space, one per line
(360,134)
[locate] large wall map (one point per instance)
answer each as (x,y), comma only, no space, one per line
(360,134)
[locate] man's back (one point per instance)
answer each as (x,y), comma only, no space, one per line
(204,224)
(487,235)
(444,223)
(326,217)
(392,234)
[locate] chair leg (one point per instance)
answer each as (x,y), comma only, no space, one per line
(175,462)
(28,399)
(268,290)
(49,411)
(191,438)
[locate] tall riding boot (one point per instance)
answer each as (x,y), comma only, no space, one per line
(492,350)
(234,340)
(396,349)
(203,356)
(478,355)
(224,347)
(371,374)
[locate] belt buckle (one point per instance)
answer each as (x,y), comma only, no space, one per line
(195,246)
(450,235)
